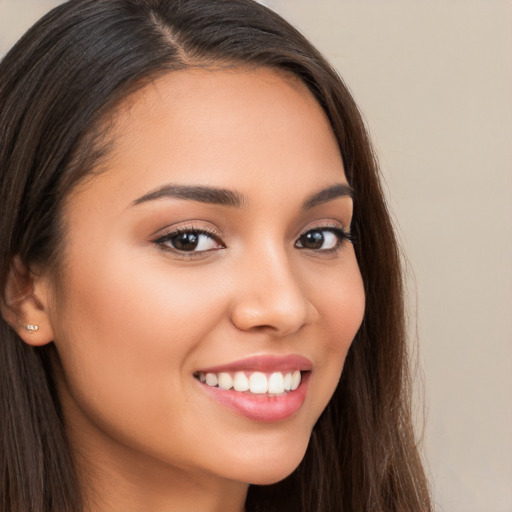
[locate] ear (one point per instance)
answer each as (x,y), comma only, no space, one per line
(25,305)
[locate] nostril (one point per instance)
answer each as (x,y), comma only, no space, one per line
(280,317)
(270,295)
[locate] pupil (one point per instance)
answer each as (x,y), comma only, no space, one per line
(185,241)
(313,240)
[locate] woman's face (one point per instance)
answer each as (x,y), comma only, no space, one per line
(212,245)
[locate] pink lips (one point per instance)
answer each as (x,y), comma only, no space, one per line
(263,408)
(265,364)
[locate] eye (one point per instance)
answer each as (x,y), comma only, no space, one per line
(322,239)
(189,240)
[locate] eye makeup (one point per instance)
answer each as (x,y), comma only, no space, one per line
(191,240)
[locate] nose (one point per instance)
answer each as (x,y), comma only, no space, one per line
(271,297)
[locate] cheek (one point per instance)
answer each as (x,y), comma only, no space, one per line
(126,345)
(127,317)
(338,295)
(125,293)
(340,303)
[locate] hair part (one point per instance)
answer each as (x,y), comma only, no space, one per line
(60,86)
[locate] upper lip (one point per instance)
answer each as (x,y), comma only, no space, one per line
(263,363)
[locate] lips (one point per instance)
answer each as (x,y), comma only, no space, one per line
(261,388)
(267,363)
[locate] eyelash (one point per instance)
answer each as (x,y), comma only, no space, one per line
(164,241)
(341,234)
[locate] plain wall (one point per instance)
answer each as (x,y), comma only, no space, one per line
(434,81)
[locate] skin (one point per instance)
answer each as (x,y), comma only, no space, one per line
(132,319)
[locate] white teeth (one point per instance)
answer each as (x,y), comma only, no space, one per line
(225,381)
(276,383)
(211,379)
(241,382)
(295,380)
(258,383)
(288,382)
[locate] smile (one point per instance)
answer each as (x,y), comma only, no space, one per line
(261,388)
(257,383)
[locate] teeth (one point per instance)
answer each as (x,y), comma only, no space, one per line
(288,382)
(241,382)
(211,379)
(276,383)
(295,380)
(225,381)
(257,382)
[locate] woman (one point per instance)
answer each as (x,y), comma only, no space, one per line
(194,245)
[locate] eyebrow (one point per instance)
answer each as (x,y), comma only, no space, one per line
(225,197)
(328,194)
(200,194)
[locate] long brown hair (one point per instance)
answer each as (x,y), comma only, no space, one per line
(58,85)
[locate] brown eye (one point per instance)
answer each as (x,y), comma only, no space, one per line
(185,241)
(312,240)
(189,241)
(321,239)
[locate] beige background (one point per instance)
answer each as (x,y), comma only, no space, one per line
(434,81)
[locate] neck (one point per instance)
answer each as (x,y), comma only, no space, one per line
(138,484)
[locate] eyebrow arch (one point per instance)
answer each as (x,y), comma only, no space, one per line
(201,194)
(225,197)
(328,194)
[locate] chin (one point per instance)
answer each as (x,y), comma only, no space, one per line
(272,468)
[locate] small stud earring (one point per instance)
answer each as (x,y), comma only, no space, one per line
(31,328)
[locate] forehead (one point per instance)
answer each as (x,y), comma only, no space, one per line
(219,126)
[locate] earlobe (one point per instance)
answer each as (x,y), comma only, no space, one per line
(24,305)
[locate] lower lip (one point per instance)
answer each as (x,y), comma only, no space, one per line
(262,408)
